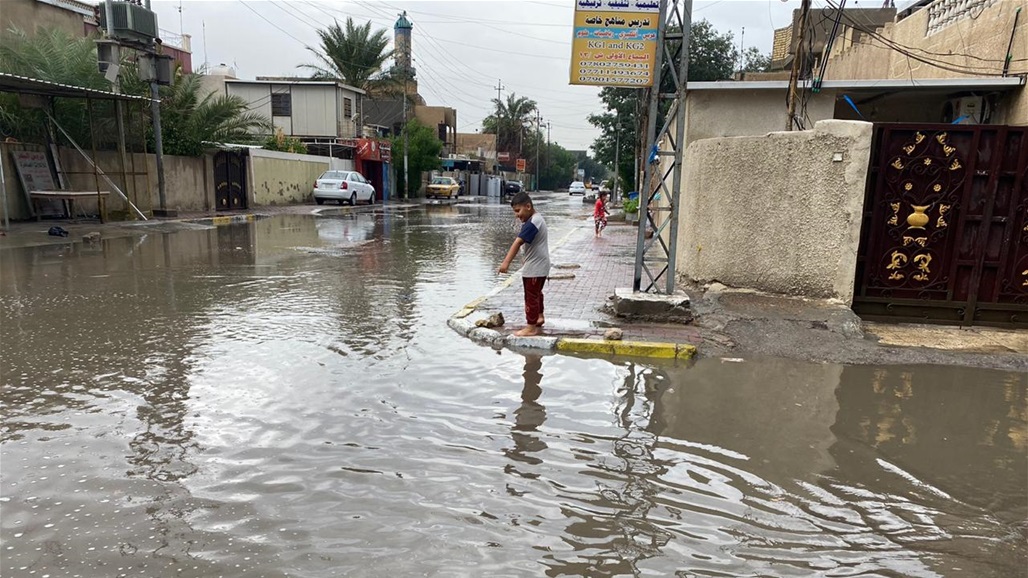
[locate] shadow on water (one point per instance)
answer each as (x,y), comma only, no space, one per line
(284,398)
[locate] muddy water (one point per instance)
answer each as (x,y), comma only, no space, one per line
(283,398)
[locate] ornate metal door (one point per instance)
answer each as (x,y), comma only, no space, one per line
(230,180)
(945,229)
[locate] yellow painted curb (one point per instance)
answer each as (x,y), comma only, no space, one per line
(464,312)
(628,348)
(221,220)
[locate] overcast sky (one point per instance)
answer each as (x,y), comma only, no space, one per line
(461,49)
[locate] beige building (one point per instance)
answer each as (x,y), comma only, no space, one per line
(443,120)
(945,39)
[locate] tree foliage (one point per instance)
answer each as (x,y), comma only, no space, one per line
(510,123)
(753,60)
(55,56)
(354,54)
(423,156)
(190,117)
(712,57)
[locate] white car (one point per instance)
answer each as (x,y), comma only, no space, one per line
(576,188)
(343,186)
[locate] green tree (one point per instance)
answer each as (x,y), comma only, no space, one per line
(753,60)
(510,122)
(712,57)
(190,117)
(354,54)
(425,147)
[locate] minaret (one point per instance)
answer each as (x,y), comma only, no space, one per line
(401,43)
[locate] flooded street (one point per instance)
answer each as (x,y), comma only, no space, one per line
(284,398)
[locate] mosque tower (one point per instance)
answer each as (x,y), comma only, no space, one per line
(401,42)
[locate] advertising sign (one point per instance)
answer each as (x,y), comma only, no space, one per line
(615,42)
(520,165)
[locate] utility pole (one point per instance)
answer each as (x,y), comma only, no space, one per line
(499,88)
(797,59)
(406,140)
(617,150)
(538,135)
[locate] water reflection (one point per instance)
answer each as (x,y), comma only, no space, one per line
(528,418)
(613,529)
(283,397)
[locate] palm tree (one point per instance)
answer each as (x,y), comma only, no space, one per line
(55,56)
(510,122)
(192,116)
(354,55)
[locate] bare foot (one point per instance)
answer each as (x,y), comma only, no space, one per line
(528,331)
(540,321)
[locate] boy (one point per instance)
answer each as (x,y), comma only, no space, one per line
(537,261)
(600,213)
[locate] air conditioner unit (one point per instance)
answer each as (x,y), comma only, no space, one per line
(966,109)
(126,21)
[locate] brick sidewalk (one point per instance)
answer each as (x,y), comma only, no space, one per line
(585,272)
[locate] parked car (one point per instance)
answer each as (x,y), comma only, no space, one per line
(576,188)
(513,187)
(443,187)
(343,186)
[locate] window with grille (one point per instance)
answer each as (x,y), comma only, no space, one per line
(347,108)
(281,104)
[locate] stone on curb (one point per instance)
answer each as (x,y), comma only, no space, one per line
(494,320)
(613,334)
(91,237)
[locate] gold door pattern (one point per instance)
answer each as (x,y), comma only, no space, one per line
(945,230)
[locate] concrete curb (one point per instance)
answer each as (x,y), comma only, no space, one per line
(461,323)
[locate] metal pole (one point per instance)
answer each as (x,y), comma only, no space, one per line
(617,150)
(676,178)
(155,111)
(650,139)
(538,131)
(3,191)
(795,75)
(406,141)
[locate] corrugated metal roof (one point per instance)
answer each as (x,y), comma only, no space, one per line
(25,85)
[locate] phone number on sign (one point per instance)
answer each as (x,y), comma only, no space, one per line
(621,80)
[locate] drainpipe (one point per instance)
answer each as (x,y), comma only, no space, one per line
(1010,46)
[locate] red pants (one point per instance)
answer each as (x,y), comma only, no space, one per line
(533,298)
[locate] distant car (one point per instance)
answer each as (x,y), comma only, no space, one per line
(443,187)
(576,188)
(343,186)
(514,187)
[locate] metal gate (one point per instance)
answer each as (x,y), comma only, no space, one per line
(230,180)
(945,228)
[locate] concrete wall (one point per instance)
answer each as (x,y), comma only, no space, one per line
(776,212)
(188,181)
(982,32)
(729,112)
(281,178)
(31,15)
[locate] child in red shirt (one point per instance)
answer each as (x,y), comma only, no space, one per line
(600,213)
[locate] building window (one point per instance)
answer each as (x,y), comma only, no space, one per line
(281,104)
(347,108)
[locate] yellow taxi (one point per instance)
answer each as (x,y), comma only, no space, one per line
(443,187)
